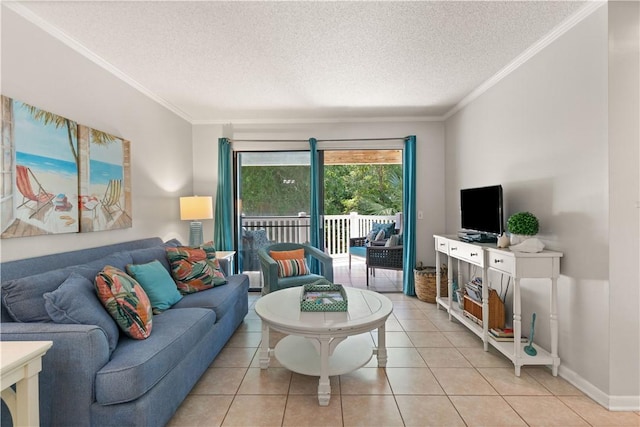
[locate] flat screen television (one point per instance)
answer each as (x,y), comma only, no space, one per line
(481,212)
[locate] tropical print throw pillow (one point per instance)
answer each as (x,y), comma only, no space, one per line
(195,269)
(126,302)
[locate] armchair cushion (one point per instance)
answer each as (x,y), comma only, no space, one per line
(282,255)
(292,267)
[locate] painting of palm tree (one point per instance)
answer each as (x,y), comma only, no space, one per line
(57,175)
(43,147)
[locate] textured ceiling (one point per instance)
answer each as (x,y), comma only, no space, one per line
(225,61)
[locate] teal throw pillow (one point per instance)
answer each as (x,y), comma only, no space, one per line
(157,283)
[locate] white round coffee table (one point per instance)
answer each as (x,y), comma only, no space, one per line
(312,345)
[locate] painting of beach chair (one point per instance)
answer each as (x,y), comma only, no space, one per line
(111,200)
(41,198)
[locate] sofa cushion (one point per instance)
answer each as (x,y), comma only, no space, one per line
(146,255)
(195,269)
(75,302)
(136,366)
(157,284)
(126,302)
(220,299)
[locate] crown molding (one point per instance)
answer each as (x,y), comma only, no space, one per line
(533,50)
(292,121)
(69,41)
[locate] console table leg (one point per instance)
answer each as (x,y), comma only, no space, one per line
(264,347)
(517,325)
(554,325)
(324,386)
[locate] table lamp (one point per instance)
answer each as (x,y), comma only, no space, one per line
(193,209)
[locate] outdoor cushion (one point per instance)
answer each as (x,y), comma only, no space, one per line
(358,251)
(136,366)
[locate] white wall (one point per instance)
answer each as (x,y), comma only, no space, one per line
(542,132)
(429,154)
(624,201)
(42,71)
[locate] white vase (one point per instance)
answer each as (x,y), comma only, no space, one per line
(518,238)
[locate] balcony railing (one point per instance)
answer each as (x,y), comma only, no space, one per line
(337,228)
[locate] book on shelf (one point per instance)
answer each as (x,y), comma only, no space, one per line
(500,332)
(509,339)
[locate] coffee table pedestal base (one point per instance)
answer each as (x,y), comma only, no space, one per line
(323,358)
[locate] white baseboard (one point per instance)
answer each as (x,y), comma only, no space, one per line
(612,403)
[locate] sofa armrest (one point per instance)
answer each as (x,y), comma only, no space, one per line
(224,265)
(67,379)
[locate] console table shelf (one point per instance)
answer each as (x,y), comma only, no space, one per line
(518,265)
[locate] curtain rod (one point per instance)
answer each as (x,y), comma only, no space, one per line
(268,140)
(319,140)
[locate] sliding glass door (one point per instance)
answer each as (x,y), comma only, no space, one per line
(273,204)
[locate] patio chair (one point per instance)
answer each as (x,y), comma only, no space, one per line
(269,267)
(41,198)
(252,241)
(385,257)
(111,200)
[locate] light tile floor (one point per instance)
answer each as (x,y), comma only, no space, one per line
(437,375)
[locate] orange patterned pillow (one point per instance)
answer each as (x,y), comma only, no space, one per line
(126,302)
(282,255)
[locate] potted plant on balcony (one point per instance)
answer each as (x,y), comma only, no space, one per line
(521,226)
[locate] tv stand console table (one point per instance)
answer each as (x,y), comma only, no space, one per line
(518,265)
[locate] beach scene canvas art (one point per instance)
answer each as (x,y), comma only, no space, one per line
(59,176)
(105,189)
(43,147)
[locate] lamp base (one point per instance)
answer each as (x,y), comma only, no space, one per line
(195,234)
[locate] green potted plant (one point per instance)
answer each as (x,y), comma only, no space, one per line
(521,226)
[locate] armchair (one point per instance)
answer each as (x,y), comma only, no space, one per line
(269,267)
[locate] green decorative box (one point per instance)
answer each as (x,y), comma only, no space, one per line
(323,295)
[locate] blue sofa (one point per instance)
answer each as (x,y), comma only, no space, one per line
(139,382)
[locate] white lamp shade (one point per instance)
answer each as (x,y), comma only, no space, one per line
(196,207)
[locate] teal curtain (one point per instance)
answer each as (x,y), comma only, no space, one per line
(223,225)
(409,213)
(314,184)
